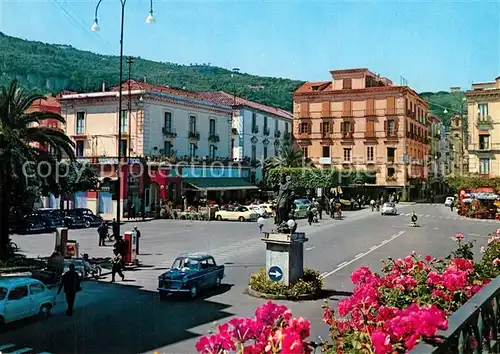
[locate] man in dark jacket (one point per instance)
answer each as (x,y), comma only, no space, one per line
(138,235)
(115,229)
(71,283)
(102,230)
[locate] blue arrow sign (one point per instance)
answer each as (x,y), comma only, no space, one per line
(275,273)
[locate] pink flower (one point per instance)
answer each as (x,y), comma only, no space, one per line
(428,259)
(496,261)
(381,342)
(458,236)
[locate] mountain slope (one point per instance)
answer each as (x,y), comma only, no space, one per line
(52,67)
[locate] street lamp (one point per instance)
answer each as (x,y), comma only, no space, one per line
(95,28)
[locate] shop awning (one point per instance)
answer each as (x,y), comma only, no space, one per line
(220,184)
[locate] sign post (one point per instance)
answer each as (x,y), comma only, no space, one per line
(130,257)
(275,273)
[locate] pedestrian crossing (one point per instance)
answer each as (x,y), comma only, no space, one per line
(456,217)
(14,349)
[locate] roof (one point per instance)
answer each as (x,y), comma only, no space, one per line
(318,85)
(194,255)
(230,100)
(15,280)
(433,119)
(136,86)
(220,184)
(49,102)
(350,71)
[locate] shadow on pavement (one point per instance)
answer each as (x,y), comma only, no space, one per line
(114,318)
(335,294)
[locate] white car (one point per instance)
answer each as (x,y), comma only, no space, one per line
(449,201)
(389,209)
(259,210)
(240,213)
(22,297)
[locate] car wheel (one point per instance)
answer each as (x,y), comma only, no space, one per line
(193,291)
(241,218)
(183,217)
(87,223)
(163,295)
(218,282)
(219,217)
(45,310)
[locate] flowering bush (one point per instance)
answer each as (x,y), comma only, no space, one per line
(311,283)
(387,313)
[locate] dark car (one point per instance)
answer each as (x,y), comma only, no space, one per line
(189,274)
(30,224)
(74,220)
(90,219)
(53,218)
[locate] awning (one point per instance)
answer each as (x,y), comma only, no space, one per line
(220,184)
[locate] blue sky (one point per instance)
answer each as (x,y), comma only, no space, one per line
(432,44)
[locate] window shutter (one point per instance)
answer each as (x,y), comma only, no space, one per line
(391,105)
(396,125)
(321,128)
(351,126)
(309,128)
(347,111)
(326,109)
(370,107)
(342,127)
(304,109)
(385,125)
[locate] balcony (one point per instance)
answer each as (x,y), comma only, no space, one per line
(169,132)
(255,129)
(347,135)
(277,134)
(301,136)
(484,122)
(213,138)
(194,135)
(391,135)
(267,131)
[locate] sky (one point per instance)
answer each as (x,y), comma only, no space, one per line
(433,45)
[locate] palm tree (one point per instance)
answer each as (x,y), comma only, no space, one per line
(19,134)
(289,156)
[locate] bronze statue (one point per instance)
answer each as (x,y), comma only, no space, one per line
(284,202)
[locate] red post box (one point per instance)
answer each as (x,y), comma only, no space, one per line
(130,257)
(61,239)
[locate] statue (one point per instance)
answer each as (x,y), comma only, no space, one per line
(284,203)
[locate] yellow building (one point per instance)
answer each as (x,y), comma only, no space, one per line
(483,105)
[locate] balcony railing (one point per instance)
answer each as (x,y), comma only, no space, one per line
(194,135)
(485,121)
(169,132)
(477,318)
(277,134)
(391,135)
(347,135)
(255,129)
(267,131)
(213,138)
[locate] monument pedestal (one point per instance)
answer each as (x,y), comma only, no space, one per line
(285,256)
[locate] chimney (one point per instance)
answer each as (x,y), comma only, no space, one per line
(104,86)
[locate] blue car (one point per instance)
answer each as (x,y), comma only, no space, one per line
(190,273)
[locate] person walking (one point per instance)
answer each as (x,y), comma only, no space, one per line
(71,283)
(138,235)
(114,226)
(117,266)
(102,231)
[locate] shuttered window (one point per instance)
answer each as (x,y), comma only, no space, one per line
(304,109)
(325,111)
(391,106)
(370,107)
(347,109)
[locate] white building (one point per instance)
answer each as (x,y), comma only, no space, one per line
(258,130)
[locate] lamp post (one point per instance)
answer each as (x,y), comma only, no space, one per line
(95,28)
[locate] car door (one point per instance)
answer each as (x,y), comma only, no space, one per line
(18,304)
(37,294)
(212,271)
(204,274)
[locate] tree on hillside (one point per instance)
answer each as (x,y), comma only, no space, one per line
(18,133)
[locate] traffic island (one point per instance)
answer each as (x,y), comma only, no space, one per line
(269,286)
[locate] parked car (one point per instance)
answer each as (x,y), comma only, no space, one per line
(52,217)
(189,274)
(269,208)
(240,213)
(388,209)
(30,224)
(90,219)
(259,210)
(302,205)
(22,297)
(449,201)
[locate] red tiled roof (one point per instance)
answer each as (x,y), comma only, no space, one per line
(433,119)
(49,102)
(136,85)
(225,98)
(318,85)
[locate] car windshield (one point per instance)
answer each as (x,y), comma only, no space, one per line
(3,293)
(184,262)
(389,205)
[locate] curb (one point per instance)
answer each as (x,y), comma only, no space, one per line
(302,297)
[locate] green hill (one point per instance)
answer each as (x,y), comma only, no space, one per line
(52,67)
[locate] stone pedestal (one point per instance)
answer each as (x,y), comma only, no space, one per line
(285,256)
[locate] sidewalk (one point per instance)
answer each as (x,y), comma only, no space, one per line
(131,220)
(438,199)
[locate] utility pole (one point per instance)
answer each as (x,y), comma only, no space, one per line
(130,61)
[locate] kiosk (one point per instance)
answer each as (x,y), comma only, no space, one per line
(130,256)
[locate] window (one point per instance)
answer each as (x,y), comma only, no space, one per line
(79,148)
(212,152)
(211,262)
(391,155)
(254,152)
(346,127)
(167,148)
(286,127)
(391,172)
(347,154)
(192,124)
(168,121)
(18,293)
(391,127)
(305,151)
(326,128)
(3,293)
(212,127)
(124,121)
(123,148)
(326,151)
(304,128)
(484,166)
(36,289)
(265,123)
(347,84)
(192,150)
(80,122)
(370,155)
(265,152)
(484,142)
(483,110)
(276,127)
(254,122)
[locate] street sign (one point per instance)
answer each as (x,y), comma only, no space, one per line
(275,273)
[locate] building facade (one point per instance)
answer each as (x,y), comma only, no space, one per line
(258,130)
(360,121)
(162,128)
(483,107)
(457,140)
(438,160)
